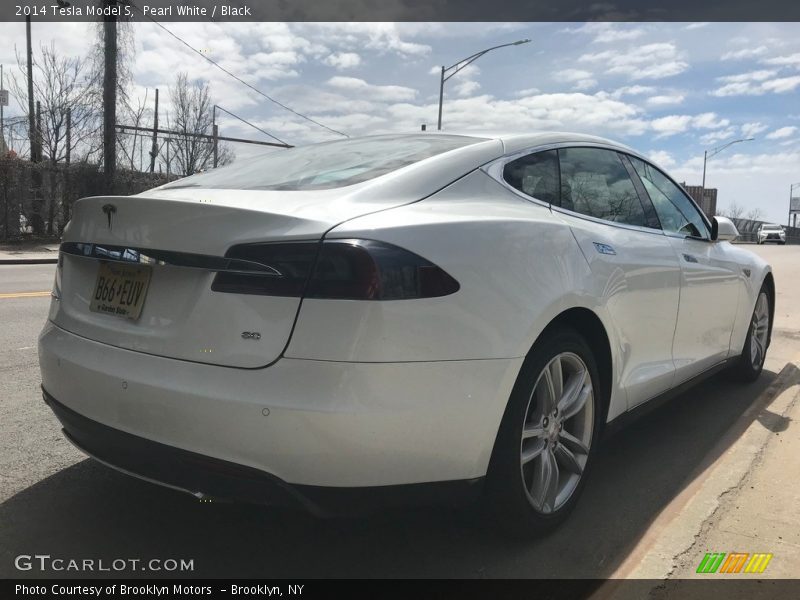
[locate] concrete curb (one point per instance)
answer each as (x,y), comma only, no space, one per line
(28,261)
(726,465)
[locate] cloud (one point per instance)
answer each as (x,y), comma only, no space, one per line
(674,124)
(391,93)
(632,90)
(718,136)
(577,112)
(343,60)
(608,32)
(651,61)
(792,60)
(753,129)
(662,157)
(755,83)
(580,79)
(665,99)
(691,26)
(527,92)
(744,53)
(782,133)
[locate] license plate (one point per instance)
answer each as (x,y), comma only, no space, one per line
(120,290)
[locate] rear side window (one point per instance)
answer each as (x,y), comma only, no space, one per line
(535,175)
(327,165)
(675,211)
(594,182)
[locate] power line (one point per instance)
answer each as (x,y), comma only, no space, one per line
(246,122)
(236,77)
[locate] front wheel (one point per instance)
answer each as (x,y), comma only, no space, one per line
(546,441)
(754,353)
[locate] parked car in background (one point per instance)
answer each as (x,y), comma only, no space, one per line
(394,319)
(770,232)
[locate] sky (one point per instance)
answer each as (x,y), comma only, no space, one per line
(669,90)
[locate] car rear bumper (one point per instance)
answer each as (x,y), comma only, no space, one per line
(205,477)
(306,423)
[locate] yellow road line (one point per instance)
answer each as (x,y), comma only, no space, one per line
(24,295)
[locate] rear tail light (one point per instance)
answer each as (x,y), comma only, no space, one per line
(343,269)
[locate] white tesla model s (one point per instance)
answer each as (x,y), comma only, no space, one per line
(393,319)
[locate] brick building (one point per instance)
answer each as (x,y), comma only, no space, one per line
(706,199)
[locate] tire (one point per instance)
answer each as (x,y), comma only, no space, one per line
(518,499)
(751,361)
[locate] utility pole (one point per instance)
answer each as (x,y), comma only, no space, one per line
(31,115)
(69,135)
(2,104)
(109,96)
(215,133)
(154,150)
(38,136)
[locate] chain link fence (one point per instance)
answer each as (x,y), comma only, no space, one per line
(36,198)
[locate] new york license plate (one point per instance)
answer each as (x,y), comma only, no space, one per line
(120,290)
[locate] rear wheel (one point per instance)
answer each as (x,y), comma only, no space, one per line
(751,361)
(547,437)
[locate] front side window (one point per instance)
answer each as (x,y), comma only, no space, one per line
(675,211)
(535,175)
(594,182)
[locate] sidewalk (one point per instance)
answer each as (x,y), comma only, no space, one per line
(743,501)
(36,255)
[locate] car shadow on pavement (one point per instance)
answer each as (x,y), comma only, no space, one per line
(90,511)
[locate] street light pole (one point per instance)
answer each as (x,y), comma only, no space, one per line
(460,65)
(714,152)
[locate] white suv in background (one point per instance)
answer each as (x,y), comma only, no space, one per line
(769,232)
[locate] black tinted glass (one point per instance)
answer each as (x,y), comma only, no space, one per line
(535,175)
(597,184)
(675,211)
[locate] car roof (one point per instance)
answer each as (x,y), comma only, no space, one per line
(515,142)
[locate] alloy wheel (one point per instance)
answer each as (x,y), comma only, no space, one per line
(557,432)
(759,331)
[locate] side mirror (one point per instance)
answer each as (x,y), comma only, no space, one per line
(723,229)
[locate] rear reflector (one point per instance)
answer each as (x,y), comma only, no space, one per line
(344,269)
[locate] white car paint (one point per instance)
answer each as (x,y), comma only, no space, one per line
(362,393)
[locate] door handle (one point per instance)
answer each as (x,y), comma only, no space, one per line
(689,258)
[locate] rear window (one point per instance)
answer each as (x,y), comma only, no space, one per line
(327,165)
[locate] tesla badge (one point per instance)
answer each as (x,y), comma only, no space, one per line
(109,210)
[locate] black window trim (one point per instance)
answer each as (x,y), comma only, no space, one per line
(494,169)
(650,213)
(645,228)
(694,204)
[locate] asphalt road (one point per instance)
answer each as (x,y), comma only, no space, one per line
(55,501)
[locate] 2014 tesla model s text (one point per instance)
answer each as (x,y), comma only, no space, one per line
(393,317)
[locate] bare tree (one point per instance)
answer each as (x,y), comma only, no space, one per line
(192,115)
(132,143)
(733,211)
(62,86)
(66,120)
(754,214)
